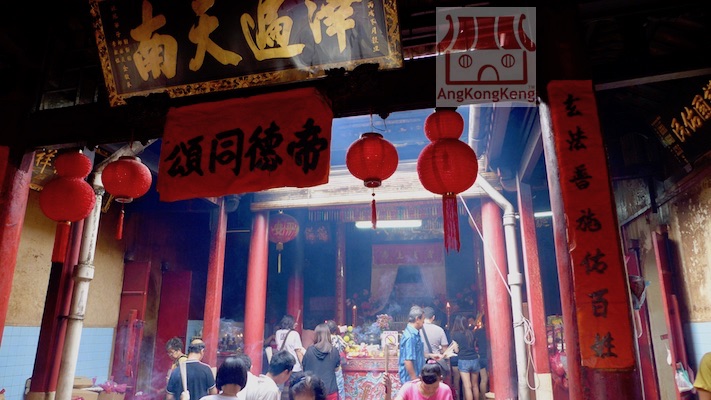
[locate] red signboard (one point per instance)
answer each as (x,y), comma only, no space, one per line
(601,296)
(246,145)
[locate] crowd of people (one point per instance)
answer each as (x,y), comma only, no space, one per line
(314,373)
(423,366)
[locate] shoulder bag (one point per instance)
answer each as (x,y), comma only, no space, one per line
(185,395)
(442,362)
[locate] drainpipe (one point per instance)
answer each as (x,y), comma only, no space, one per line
(84,274)
(477,135)
(515,280)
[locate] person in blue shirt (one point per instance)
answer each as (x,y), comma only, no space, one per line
(412,354)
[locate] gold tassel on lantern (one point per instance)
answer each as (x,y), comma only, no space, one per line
(279,248)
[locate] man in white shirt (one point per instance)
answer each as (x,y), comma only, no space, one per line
(435,334)
(266,386)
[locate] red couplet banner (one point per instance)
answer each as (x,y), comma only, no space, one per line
(601,297)
(246,145)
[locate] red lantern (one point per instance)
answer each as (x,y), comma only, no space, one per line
(67,198)
(444,123)
(447,167)
(372,159)
(283,228)
(126,179)
(73,165)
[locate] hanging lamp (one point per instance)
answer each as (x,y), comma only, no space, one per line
(126,179)
(372,159)
(283,228)
(67,198)
(447,167)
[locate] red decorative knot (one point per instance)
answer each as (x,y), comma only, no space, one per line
(126,179)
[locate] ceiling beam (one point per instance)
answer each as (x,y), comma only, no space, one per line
(532,152)
(344,189)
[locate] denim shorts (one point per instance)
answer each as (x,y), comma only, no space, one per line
(470,366)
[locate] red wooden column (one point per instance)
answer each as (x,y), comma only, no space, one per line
(341,274)
(672,317)
(15,175)
(499,317)
(213,292)
(650,382)
(256,297)
(565,274)
(53,328)
(600,285)
(534,287)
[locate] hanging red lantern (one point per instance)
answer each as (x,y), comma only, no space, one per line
(372,159)
(444,123)
(126,179)
(283,228)
(67,198)
(72,165)
(447,167)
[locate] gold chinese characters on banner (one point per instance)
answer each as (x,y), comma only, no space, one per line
(192,47)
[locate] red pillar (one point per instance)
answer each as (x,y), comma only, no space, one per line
(341,274)
(534,287)
(256,297)
(565,274)
(646,362)
(53,328)
(295,298)
(499,317)
(213,292)
(15,175)
(675,333)
(295,288)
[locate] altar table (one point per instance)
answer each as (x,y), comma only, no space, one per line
(366,373)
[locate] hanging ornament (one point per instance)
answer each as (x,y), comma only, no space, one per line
(126,179)
(372,159)
(67,198)
(447,167)
(282,228)
(444,123)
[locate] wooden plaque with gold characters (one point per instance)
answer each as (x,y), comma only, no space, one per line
(185,47)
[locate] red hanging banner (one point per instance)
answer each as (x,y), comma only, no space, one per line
(601,297)
(246,145)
